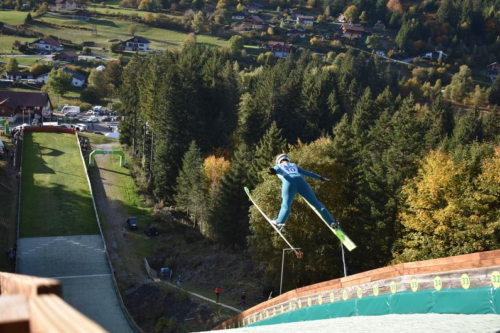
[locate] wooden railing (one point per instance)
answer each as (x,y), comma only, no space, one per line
(32,304)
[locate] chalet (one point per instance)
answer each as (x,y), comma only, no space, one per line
(65,5)
(136,43)
(352,31)
(82,15)
(296,32)
(255,7)
(435,55)
(78,79)
(494,67)
(47,44)
(19,76)
(379,25)
(253,22)
(305,20)
(12,104)
(340,18)
(280,49)
(238,16)
(68,56)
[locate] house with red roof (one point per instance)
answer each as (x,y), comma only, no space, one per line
(14,103)
(68,56)
(47,44)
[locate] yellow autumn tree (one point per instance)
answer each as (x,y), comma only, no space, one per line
(395,6)
(215,168)
(448,210)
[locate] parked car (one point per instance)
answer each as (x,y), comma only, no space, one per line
(106,118)
(151,231)
(90,112)
(92,119)
(81,127)
(132,223)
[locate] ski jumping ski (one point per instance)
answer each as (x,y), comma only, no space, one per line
(344,239)
(298,253)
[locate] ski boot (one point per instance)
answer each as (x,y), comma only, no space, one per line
(278,225)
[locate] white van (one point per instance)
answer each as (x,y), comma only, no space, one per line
(98,110)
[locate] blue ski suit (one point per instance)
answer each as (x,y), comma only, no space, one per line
(293,183)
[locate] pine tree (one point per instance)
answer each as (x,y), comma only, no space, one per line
(229,216)
(494,97)
(468,128)
(436,125)
(269,146)
(191,186)
(491,125)
(130,126)
(447,13)
(364,117)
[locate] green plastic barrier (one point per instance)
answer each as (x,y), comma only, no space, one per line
(6,125)
(106,152)
(484,300)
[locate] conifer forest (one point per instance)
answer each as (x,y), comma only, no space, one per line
(413,176)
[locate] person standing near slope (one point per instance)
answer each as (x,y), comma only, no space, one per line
(292,183)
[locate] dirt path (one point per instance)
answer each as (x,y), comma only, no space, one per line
(113,214)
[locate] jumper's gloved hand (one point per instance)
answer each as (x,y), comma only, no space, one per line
(325,179)
(272,171)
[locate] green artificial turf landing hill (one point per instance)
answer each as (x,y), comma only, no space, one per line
(55,195)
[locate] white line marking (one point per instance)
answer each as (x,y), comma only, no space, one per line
(78,276)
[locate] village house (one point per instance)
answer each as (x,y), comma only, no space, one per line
(352,31)
(136,43)
(12,104)
(65,5)
(82,15)
(19,76)
(238,16)
(68,56)
(78,80)
(280,49)
(296,32)
(47,44)
(494,67)
(379,25)
(255,7)
(42,78)
(253,22)
(305,20)
(435,55)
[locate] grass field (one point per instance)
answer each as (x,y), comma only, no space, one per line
(7,41)
(24,61)
(55,195)
(125,11)
(161,39)
(12,17)
(96,139)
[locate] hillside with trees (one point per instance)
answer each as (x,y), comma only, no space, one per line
(413,179)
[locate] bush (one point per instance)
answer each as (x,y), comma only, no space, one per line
(90,95)
(85,106)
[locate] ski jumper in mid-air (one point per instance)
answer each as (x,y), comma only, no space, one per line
(293,183)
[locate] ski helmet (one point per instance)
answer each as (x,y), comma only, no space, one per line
(282,157)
